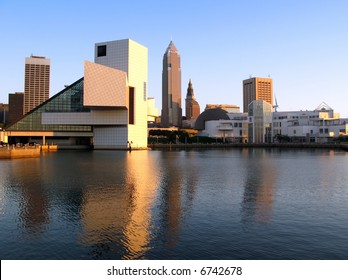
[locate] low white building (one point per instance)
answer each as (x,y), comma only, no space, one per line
(233,130)
(261,125)
(318,126)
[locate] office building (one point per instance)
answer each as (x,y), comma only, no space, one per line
(36,81)
(171,88)
(257,89)
(192,106)
(16,106)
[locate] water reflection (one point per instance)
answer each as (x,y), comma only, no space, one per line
(34,204)
(142,176)
(259,188)
(118,215)
(170,206)
(249,203)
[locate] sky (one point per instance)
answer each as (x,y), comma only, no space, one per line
(301,45)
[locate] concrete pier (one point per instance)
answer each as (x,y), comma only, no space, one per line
(21,152)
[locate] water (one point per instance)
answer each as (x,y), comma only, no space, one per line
(213,204)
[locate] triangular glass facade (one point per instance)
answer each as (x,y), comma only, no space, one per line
(69,99)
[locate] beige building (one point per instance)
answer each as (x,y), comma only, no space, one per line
(152,111)
(36,81)
(257,89)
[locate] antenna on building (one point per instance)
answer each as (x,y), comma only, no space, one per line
(250,75)
(275,106)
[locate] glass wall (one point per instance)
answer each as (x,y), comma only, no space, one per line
(68,100)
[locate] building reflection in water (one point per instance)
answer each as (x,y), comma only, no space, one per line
(142,175)
(170,199)
(118,215)
(178,187)
(259,189)
(33,202)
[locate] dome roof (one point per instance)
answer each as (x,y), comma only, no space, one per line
(210,115)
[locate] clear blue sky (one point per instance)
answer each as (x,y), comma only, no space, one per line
(302,45)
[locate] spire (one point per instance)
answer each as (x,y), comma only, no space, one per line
(190,93)
(172,48)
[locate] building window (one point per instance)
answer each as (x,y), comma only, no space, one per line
(131,105)
(101,50)
(145,94)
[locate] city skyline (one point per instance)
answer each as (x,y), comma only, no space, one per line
(301,46)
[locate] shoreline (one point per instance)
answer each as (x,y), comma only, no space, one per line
(251,145)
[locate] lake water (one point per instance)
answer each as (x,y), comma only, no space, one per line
(212,204)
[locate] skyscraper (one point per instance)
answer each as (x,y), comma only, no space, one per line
(257,89)
(36,81)
(15,106)
(171,88)
(192,106)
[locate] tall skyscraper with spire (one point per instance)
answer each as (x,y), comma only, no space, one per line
(192,106)
(171,88)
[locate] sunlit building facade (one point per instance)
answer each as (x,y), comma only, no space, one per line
(257,89)
(171,88)
(106,109)
(36,81)
(152,112)
(132,58)
(320,125)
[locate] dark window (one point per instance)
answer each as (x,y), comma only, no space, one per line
(131,105)
(102,50)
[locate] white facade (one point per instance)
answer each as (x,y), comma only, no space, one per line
(317,126)
(132,58)
(234,130)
